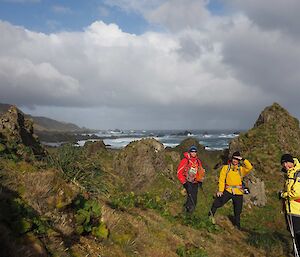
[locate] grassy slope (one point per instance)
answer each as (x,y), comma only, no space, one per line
(150,224)
(153,228)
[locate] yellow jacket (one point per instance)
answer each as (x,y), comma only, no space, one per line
(231,180)
(292,189)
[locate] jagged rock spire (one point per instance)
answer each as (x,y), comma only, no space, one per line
(16,134)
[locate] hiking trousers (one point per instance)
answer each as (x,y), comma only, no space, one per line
(191,198)
(237,201)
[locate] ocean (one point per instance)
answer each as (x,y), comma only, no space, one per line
(211,139)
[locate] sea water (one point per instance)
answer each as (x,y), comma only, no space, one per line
(211,139)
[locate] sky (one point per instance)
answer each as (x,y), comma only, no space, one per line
(150,64)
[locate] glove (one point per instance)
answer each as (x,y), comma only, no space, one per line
(185,185)
(200,184)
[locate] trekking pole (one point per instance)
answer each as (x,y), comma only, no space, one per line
(290,222)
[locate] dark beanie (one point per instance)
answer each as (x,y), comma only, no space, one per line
(287,158)
(237,154)
(193,149)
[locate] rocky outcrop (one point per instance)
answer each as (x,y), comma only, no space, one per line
(16,135)
(275,132)
(140,162)
(257,196)
(94,147)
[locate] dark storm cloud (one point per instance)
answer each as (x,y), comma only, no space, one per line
(272,14)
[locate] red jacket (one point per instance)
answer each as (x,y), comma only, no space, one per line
(190,169)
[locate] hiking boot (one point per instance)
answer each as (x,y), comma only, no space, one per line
(212,219)
(238,226)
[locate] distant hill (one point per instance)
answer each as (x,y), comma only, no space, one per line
(46,124)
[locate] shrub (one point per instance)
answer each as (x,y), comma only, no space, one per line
(88,218)
(75,165)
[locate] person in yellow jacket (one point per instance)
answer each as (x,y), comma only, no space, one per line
(291,196)
(230,186)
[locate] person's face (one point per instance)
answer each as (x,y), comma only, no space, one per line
(235,161)
(193,153)
(287,165)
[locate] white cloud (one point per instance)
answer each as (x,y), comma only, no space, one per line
(223,70)
(173,15)
(179,15)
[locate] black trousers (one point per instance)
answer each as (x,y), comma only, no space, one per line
(237,201)
(191,198)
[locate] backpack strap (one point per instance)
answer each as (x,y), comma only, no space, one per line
(239,170)
(296,175)
(197,160)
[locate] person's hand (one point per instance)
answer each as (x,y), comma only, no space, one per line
(185,185)
(219,194)
(280,195)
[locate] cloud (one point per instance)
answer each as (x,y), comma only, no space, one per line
(271,14)
(173,15)
(205,71)
(178,15)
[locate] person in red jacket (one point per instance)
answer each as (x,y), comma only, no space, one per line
(190,174)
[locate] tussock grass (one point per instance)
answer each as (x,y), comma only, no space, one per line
(191,251)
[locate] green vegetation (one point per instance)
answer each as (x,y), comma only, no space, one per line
(149,201)
(21,218)
(199,222)
(191,251)
(144,201)
(78,201)
(77,167)
(88,217)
